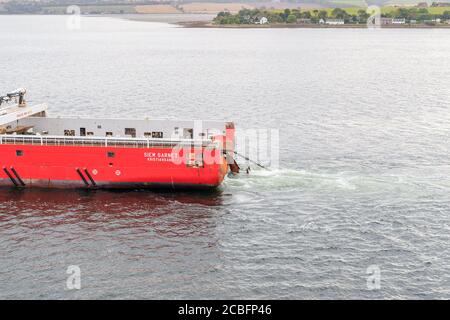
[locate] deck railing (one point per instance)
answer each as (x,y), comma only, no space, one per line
(102,141)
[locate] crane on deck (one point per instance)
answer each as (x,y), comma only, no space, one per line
(19,93)
(12,113)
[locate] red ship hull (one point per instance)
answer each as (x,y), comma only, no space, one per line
(102,167)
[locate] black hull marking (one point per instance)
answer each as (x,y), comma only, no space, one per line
(10,177)
(18,177)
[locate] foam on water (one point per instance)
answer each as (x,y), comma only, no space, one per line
(420,182)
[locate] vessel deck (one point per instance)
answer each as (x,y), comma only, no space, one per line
(102,141)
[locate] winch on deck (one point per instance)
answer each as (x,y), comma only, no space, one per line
(12,112)
(20,93)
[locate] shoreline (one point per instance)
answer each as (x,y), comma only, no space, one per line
(209,24)
(179,19)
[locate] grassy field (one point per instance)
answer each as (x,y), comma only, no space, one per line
(165,9)
(161,8)
(205,7)
(388,9)
(91,9)
(431,10)
(194,7)
(349,3)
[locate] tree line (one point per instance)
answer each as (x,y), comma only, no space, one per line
(251,16)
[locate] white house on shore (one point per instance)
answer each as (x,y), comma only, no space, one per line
(334,22)
(387,21)
(263,20)
(398,21)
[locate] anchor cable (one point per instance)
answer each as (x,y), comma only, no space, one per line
(248,159)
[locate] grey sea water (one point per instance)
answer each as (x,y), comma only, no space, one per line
(363,181)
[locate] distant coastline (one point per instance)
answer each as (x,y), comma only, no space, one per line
(239,16)
(209,24)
